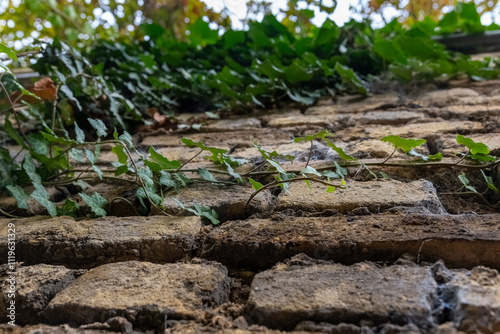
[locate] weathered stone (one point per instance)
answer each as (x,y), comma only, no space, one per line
(239,124)
(416,130)
(225,140)
(35,288)
(298,120)
(228,201)
(462,241)
(464,111)
(371,148)
(293,149)
(392,117)
(446,96)
(86,243)
(144,293)
(357,105)
(301,290)
(46,329)
(324,327)
(376,196)
(476,300)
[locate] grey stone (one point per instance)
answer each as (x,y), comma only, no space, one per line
(87,243)
(376,196)
(303,290)
(35,288)
(143,293)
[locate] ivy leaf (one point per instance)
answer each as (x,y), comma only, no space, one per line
(13,133)
(256,185)
(42,196)
(436,157)
(167,180)
(340,170)
(351,78)
(80,135)
(69,94)
(276,165)
(331,175)
(489,181)
(201,211)
(231,172)
(182,178)
(82,184)
(330,189)
(99,126)
(340,151)
(120,153)
(319,135)
(127,138)
(158,162)
(20,195)
(272,155)
(96,203)
(404,144)
(482,157)
(76,154)
(24,90)
(30,169)
(474,147)
(217,153)
(206,175)
(465,182)
(10,53)
(39,144)
(310,170)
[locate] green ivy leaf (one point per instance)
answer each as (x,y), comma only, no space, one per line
(70,208)
(475,148)
(310,170)
(465,182)
(30,169)
(99,126)
(404,144)
(80,135)
(273,155)
(13,133)
(201,211)
(167,180)
(256,185)
(331,175)
(39,144)
(120,153)
(10,53)
(20,195)
(276,165)
(96,203)
(82,184)
(42,196)
(319,135)
(340,151)
(489,181)
(350,78)
(158,162)
(206,175)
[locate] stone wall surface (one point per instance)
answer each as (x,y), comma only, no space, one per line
(396,249)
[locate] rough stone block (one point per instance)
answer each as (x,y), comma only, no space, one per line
(86,243)
(462,241)
(224,125)
(375,196)
(35,288)
(476,300)
(302,290)
(144,293)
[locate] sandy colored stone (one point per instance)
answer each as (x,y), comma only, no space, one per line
(46,329)
(303,289)
(224,140)
(35,288)
(476,300)
(392,117)
(446,96)
(87,243)
(357,105)
(293,149)
(238,124)
(228,201)
(414,130)
(144,293)
(462,241)
(373,196)
(299,120)
(465,111)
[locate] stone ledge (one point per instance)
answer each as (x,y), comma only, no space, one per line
(87,243)
(144,293)
(302,290)
(373,196)
(461,241)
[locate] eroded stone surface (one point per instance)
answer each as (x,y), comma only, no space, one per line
(476,300)
(374,196)
(228,201)
(35,288)
(359,104)
(303,290)
(232,124)
(144,293)
(46,329)
(225,140)
(461,241)
(87,243)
